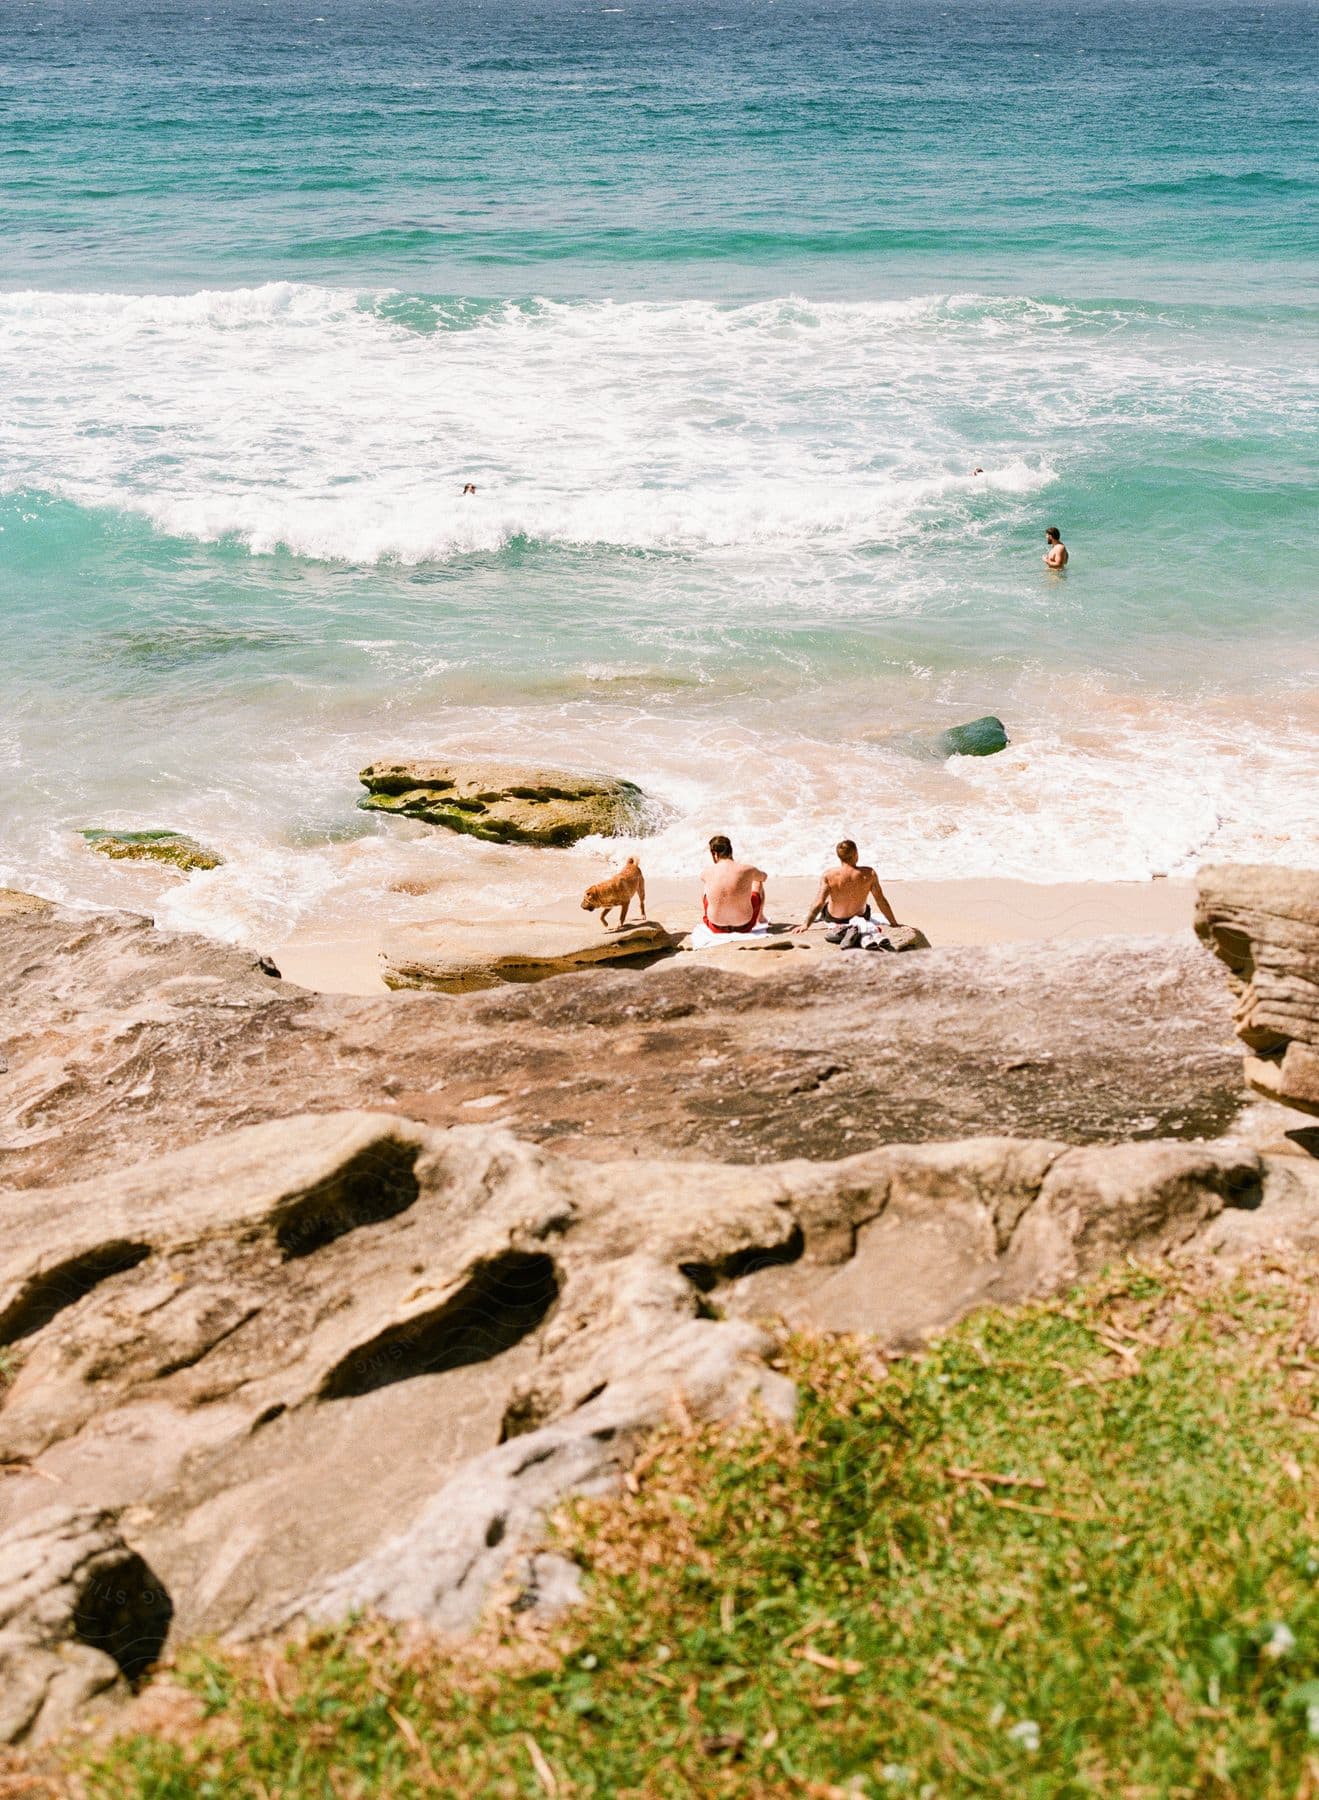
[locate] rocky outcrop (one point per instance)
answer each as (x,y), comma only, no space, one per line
(981,737)
(345,1360)
(457,957)
(123,1042)
(324,1360)
(1263,923)
(506,803)
(171,848)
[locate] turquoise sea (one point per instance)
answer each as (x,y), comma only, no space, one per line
(719,304)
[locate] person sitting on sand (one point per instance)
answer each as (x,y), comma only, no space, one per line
(846,890)
(1055,557)
(733,898)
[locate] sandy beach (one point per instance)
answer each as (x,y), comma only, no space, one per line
(949,912)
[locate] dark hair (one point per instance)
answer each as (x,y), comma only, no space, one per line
(1052,531)
(720,847)
(846,851)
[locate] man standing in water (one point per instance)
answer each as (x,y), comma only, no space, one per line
(734,895)
(845,891)
(1055,557)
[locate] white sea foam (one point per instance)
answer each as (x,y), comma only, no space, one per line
(343,427)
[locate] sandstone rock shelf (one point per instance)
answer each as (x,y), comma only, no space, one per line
(123,1041)
(459,957)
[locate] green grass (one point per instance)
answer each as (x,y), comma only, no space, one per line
(868,1606)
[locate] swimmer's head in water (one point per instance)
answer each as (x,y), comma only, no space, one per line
(720,849)
(1053,535)
(846,851)
(469,487)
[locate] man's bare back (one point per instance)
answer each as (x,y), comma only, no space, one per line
(734,892)
(846,890)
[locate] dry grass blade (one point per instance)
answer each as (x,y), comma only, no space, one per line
(408,1732)
(270,1681)
(992,1480)
(1045,1512)
(541,1764)
(840,1665)
(808,1630)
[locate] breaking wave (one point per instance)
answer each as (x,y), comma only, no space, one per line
(342,426)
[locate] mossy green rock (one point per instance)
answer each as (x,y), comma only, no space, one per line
(982,737)
(169,847)
(506,803)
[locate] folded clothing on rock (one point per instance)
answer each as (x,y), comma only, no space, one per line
(860,933)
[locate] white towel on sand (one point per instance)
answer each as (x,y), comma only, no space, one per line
(702,938)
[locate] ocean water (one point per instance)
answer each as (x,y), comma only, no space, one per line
(719,304)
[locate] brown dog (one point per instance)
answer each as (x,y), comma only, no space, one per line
(617,891)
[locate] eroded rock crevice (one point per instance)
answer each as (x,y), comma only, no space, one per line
(47,1293)
(750,1260)
(124,1611)
(504,1300)
(377,1184)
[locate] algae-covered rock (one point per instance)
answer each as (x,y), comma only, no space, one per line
(506,803)
(169,847)
(981,737)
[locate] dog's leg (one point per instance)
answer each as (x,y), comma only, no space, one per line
(622,917)
(641,893)
(604,917)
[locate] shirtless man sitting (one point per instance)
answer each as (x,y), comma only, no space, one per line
(734,895)
(846,890)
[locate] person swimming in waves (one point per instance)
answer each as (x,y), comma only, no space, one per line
(1055,557)
(733,898)
(468,488)
(846,890)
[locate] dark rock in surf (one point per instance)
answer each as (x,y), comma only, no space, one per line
(982,737)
